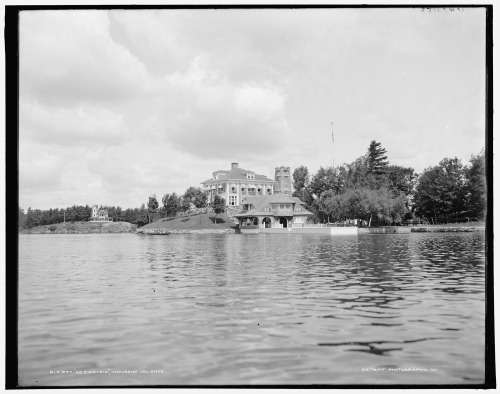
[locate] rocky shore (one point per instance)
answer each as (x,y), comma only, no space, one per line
(196,223)
(164,231)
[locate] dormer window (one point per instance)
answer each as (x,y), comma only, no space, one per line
(250,175)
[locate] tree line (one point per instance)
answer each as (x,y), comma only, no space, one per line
(376,192)
(192,199)
(77,213)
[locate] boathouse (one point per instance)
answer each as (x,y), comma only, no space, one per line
(273,211)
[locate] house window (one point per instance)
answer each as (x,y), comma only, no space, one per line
(242,189)
(233,200)
(250,176)
(282,206)
(233,190)
(259,190)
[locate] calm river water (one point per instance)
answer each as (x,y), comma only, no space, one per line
(125,309)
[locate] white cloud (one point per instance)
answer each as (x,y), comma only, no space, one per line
(89,125)
(213,116)
(38,168)
(69,56)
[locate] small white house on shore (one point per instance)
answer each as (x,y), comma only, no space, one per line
(99,215)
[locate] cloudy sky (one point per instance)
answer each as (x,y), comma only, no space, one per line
(118,105)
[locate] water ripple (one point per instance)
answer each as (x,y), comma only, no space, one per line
(232,309)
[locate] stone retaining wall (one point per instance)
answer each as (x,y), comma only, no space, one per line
(445,229)
(384,230)
(164,231)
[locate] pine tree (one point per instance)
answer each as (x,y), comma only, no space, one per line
(376,159)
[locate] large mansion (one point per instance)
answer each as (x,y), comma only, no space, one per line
(259,201)
(236,184)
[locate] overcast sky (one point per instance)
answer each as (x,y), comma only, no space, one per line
(118,105)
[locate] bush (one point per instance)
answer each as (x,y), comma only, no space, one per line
(52,228)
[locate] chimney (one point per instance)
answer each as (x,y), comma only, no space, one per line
(234,165)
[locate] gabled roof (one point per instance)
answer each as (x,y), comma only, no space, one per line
(237,174)
(260,202)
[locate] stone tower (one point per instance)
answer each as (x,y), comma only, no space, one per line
(283,178)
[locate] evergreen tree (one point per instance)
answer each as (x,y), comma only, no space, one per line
(376,159)
(118,215)
(130,215)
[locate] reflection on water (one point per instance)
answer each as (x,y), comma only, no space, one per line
(251,309)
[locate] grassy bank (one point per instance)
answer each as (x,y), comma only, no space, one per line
(82,228)
(204,222)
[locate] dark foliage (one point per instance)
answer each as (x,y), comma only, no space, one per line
(371,189)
